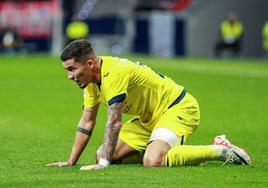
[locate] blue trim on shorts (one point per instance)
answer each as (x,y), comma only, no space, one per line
(181,96)
(118,98)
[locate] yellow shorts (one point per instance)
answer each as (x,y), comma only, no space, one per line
(182,119)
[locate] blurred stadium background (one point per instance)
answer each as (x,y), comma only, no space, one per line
(39,108)
(166,28)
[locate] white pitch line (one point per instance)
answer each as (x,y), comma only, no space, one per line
(225,70)
(234,71)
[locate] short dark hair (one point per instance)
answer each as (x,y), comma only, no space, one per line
(79,50)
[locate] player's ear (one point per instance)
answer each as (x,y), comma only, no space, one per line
(90,63)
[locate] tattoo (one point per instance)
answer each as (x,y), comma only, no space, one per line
(112,130)
(84,131)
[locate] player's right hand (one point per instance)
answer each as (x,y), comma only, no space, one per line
(59,164)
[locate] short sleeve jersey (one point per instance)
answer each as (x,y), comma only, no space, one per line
(145,92)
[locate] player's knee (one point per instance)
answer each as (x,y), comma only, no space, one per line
(153,161)
(155,154)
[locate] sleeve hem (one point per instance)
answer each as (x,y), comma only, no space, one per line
(118,98)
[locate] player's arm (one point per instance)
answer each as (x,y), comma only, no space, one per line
(111,134)
(112,129)
(82,136)
(83,133)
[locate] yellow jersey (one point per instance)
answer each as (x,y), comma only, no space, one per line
(145,92)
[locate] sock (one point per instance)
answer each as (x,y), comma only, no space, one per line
(193,155)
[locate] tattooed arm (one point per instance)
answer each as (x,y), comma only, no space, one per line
(111,134)
(112,129)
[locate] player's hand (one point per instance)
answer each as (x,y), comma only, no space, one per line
(60,164)
(93,167)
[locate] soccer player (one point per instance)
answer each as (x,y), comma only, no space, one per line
(166,115)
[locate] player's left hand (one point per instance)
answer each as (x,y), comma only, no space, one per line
(92,167)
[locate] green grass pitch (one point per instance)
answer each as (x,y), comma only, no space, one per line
(40,108)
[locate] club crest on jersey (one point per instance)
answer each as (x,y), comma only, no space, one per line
(106,74)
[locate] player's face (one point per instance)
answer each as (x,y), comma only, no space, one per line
(78,72)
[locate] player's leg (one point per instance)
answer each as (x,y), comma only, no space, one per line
(171,131)
(188,116)
(131,143)
(187,121)
(193,155)
(221,150)
(165,150)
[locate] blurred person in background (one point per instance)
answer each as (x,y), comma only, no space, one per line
(11,42)
(77,29)
(265,38)
(165,114)
(231,34)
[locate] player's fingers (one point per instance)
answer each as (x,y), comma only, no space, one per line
(88,167)
(51,164)
(57,164)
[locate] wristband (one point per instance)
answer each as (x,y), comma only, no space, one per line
(104,162)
